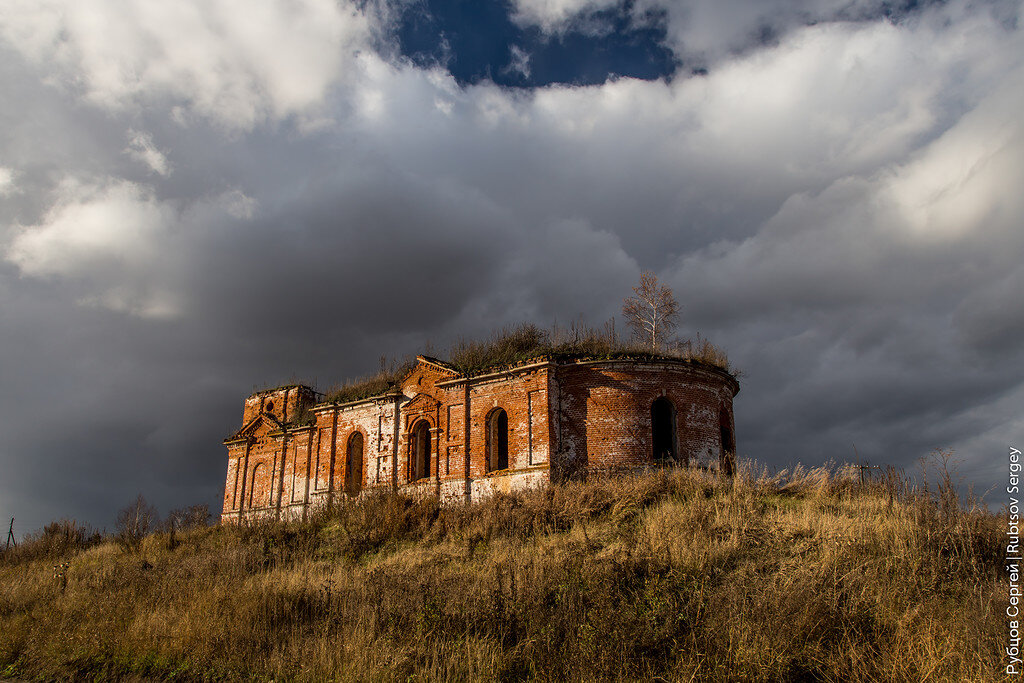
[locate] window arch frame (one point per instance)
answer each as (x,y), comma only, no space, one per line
(353,486)
(492,425)
(254,476)
(657,429)
(418,448)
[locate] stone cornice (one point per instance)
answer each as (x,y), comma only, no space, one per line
(389,396)
(504,372)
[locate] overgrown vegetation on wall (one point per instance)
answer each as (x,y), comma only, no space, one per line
(676,574)
(385,380)
(517,345)
(514,346)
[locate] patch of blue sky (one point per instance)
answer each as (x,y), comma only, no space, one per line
(478,41)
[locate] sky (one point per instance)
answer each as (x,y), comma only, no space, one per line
(207,197)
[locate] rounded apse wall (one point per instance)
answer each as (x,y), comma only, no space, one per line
(620,414)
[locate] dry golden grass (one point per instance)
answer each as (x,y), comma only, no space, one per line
(672,575)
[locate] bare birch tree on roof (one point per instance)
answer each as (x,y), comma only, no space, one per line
(652,313)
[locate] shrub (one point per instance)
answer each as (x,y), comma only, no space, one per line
(57,540)
(192,517)
(134,522)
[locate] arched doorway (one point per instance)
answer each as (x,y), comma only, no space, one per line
(497,440)
(354,465)
(421,450)
(728,442)
(663,431)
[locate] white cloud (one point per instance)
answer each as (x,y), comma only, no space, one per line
(519,62)
(967,182)
(141,148)
(236,62)
(91,226)
(556,15)
(705,29)
(669,167)
(119,246)
(919,233)
(237,204)
(7,185)
(694,159)
(106,237)
(708,30)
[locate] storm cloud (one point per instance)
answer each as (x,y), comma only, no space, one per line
(203,197)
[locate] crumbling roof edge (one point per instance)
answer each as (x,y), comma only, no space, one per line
(459,377)
(286,386)
(569,358)
(438,363)
(238,435)
(530,364)
(327,405)
(689,362)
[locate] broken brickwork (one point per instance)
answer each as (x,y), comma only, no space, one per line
(444,434)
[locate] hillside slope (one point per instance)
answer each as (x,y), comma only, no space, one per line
(674,574)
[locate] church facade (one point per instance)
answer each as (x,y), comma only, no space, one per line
(459,437)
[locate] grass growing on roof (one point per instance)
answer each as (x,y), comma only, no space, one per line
(512,346)
(382,382)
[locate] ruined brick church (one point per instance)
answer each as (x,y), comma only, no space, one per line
(460,437)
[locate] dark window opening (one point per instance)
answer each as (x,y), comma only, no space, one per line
(421,450)
(728,443)
(354,465)
(497,441)
(663,431)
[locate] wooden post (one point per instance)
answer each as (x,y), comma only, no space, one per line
(10,535)
(861,465)
(864,466)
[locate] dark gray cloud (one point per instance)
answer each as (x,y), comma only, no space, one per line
(838,207)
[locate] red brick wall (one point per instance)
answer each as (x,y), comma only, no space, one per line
(604,412)
(284,403)
(269,472)
(335,427)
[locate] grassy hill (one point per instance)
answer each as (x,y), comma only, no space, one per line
(673,575)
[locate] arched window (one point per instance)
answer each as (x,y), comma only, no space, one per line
(663,431)
(421,450)
(354,465)
(497,440)
(259,490)
(728,442)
